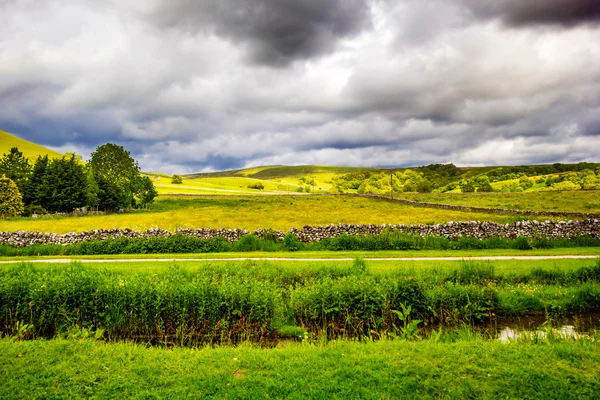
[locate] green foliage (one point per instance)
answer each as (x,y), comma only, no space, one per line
(176,179)
(467,187)
(248,243)
(174,307)
(223,303)
(117,175)
(257,185)
(11,201)
(16,167)
(291,242)
(64,187)
(146,192)
(34,189)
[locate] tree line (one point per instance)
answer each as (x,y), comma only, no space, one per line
(110,181)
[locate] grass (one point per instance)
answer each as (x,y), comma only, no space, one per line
(332,255)
(228,302)
(382,267)
(586,201)
(295,305)
(459,367)
(254,212)
(29,149)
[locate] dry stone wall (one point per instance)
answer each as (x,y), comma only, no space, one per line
(452,230)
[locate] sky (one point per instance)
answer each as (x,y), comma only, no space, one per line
(203,85)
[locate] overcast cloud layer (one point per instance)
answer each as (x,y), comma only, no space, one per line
(191,85)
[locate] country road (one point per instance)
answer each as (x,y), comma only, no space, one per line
(143,260)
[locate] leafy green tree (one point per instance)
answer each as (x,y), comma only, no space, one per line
(257,185)
(176,179)
(146,191)
(108,194)
(525,182)
(65,185)
(467,186)
(11,201)
(93,190)
(424,186)
(16,167)
(483,184)
(35,184)
(113,166)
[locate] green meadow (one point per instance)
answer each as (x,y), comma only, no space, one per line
(254,212)
(584,201)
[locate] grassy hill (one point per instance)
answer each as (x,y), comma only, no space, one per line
(29,149)
(325,179)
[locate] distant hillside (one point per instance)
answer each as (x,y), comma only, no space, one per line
(278,171)
(29,149)
(433,177)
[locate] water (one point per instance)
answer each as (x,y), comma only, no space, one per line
(508,334)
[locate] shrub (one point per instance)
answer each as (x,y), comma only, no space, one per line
(291,242)
(176,179)
(258,186)
(11,200)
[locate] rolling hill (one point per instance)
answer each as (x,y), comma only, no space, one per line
(29,149)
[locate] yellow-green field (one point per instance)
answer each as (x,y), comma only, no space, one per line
(587,201)
(224,185)
(253,212)
(30,150)
(235,185)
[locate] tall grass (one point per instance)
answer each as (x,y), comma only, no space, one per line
(260,301)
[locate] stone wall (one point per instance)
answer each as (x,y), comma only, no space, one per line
(453,230)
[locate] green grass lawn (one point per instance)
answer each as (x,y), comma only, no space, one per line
(587,201)
(332,255)
(469,367)
(411,267)
(254,212)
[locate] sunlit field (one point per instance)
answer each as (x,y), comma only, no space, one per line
(586,201)
(254,212)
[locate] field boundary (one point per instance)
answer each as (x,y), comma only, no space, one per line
(483,209)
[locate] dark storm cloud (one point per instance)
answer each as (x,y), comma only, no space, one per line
(277,32)
(520,13)
(182,84)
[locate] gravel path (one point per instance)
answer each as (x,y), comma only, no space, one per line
(142,260)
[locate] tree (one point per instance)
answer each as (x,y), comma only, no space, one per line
(176,179)
(65,185)
(108,194)
(114,166)
(11,201)
(16,167)
(467,186)
(483,184)
(146,191)
(258,185)
(93,190)
(34,186)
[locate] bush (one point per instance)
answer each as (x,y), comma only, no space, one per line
(32,209)
(247,243)
(11,200)
(258,186)
(291,242)
(176,179)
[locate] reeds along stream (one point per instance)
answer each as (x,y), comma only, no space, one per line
(228,303)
